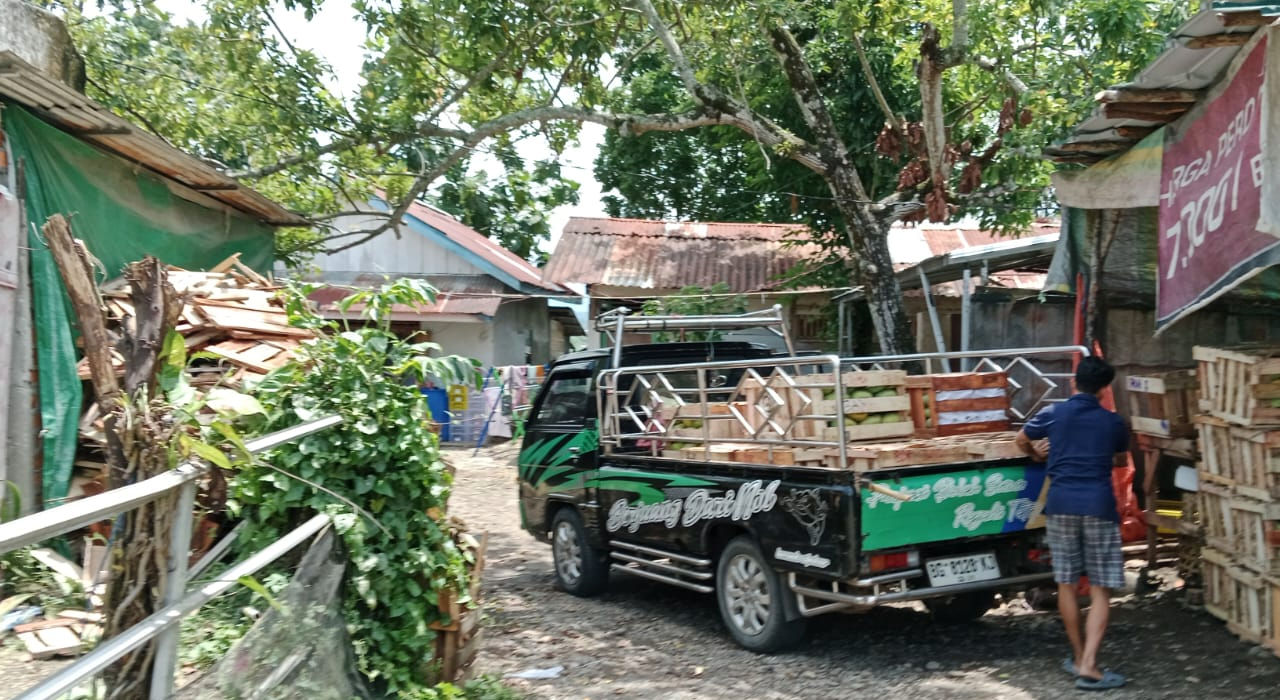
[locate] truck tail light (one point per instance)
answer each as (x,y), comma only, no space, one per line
(1040,556)
(897,560)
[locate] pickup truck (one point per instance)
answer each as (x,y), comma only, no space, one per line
(787,485)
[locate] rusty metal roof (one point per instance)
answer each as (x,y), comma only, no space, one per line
(646,254)
(89,121)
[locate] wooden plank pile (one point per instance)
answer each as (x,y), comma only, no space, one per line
(1239,492)
(231,313)
(63,635)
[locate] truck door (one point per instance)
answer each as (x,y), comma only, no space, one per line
(557,462)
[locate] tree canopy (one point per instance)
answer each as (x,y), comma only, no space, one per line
(847,114)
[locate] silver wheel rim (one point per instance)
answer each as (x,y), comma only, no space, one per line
(746,595)
(568,553)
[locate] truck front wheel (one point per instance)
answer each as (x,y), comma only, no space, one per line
(752,600)
(580,569)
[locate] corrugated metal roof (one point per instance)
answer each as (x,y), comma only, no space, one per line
(91,122)
(490,250)
(661,255)
(1194,59)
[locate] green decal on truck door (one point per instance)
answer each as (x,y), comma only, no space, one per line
(952,505)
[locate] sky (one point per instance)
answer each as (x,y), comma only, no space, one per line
(329,34)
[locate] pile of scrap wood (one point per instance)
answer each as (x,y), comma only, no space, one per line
(230,313)
(67,632)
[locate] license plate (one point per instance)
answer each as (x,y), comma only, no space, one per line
(966,569)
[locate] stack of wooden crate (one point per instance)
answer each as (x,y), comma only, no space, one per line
(1162,409)
(1240,487)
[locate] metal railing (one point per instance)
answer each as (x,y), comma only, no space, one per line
(797,402)
(177,602)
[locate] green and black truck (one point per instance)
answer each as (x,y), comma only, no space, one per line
(789,485)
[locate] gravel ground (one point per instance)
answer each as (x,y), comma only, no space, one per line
(646,640)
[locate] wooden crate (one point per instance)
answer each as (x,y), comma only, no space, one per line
(1213,502)
(1246,528)
(1272,642)
(1238,596)
(1240,385)
(1246,459)
(1256,534)
(718,419)
(779,456)
(959,403)
(821,390)
(1163,404)
(973,447)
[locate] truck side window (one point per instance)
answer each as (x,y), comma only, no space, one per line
(566,400)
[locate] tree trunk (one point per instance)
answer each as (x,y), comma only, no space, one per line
(140,432)
(873,267)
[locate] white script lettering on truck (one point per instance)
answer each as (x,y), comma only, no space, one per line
(750,498)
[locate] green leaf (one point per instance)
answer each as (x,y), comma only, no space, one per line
(252,584)
(233,403)
(206,451)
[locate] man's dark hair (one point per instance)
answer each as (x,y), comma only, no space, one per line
(1093,374)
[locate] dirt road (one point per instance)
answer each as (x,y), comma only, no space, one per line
(645,640)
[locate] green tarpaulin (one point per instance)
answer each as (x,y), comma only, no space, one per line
(122,212)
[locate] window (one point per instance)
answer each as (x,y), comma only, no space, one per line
(566,399)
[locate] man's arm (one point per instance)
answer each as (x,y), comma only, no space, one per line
(1121,456)
(1035,450)
(1031,439)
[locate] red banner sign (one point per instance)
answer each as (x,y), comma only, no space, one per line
(1209,184)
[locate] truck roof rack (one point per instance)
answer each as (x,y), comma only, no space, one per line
(619,321)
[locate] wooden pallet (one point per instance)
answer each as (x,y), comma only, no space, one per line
(1164,404)
(959,403)
(1241,598)
(1240,385)
(1245,459)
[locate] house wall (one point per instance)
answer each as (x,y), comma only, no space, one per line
(408,253)
(520,333)
(469,339)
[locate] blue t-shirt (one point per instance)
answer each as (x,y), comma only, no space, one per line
(1083,438)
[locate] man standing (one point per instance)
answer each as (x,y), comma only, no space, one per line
(1085,442)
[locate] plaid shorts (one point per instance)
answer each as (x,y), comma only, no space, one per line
(1085,545)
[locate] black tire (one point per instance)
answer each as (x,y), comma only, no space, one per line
(580,569)
(961,608)
(753,601)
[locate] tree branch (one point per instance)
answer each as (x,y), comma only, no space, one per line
(893,120)
(990,65)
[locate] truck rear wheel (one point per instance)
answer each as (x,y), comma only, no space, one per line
(752,600)
(580,569)
(961,608)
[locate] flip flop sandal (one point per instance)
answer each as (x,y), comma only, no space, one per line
(1108,681)
(1069,667)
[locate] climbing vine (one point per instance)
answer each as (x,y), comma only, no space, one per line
(379,474)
